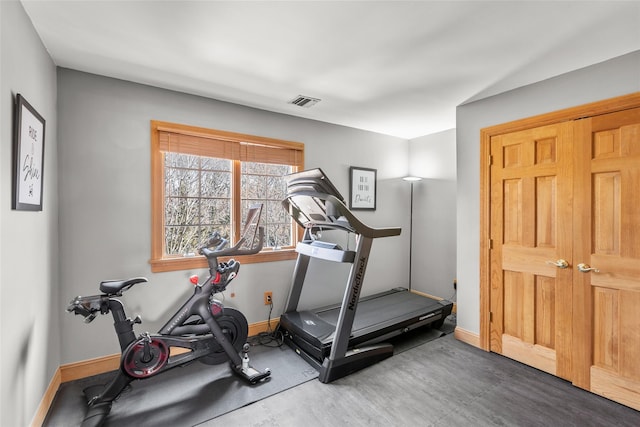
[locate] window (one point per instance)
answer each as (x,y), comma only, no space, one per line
(204,180)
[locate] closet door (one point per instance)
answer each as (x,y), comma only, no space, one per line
(531,247)
(606,313)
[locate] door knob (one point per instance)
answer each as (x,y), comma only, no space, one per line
(559,263)
(585,268)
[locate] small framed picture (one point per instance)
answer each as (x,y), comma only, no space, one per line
(28,157)
(362,183)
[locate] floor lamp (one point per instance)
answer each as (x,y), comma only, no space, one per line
(411,180)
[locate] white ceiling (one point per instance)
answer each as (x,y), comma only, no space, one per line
(394,67)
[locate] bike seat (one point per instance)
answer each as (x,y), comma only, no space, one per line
(117,286)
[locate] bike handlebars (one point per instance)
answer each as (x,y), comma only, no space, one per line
(88,306)
(220,242)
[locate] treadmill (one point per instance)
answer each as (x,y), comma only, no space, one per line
(343,338)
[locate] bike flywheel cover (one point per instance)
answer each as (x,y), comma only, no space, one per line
(134,363)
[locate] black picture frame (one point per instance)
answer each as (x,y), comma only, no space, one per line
(362,188)
(28,157)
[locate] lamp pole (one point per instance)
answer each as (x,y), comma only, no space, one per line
(411,180)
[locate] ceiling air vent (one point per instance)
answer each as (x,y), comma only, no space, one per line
(304,101)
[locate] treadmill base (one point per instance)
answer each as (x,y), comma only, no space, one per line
(378,318)
(353,361)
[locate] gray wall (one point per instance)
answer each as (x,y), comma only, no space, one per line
(29,287)
(101,211)
(433,157)
(612,78)
(104,134)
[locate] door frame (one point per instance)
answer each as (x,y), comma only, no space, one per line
(574,113)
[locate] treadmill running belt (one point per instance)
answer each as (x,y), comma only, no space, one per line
(378,316)
(382,309)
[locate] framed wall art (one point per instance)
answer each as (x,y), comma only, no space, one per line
(362,183)
(28,157)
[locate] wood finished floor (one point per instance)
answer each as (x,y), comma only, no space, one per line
(441,383)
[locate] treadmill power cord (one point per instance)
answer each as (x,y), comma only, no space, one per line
(270,338)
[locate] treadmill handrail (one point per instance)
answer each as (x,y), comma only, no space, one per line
(354,223)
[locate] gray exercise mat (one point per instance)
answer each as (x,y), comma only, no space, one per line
(184,396)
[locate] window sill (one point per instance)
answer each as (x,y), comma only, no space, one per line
(191,263)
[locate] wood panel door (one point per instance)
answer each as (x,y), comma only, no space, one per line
(606,313)
(531,247)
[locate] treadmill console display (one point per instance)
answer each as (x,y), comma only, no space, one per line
(314,180)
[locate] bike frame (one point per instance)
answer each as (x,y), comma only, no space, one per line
(203,336)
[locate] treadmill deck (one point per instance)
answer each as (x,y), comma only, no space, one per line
(378,317)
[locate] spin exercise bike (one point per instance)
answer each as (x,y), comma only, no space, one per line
(203,327)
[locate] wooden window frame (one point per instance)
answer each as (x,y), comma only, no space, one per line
(243,147)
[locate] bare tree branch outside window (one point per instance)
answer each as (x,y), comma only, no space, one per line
(198,200)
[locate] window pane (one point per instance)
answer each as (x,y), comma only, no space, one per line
(265,183)
(280,224)
(177,160)
(181,240)
(277,188)
(181,182)
(216,213)
(265,169)
(253,186)
(181,211)
(253,168)
(213,163)
(279,235)
(275,213)
(197,200)
(216,184)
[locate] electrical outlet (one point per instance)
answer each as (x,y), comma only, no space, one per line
(268,297)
